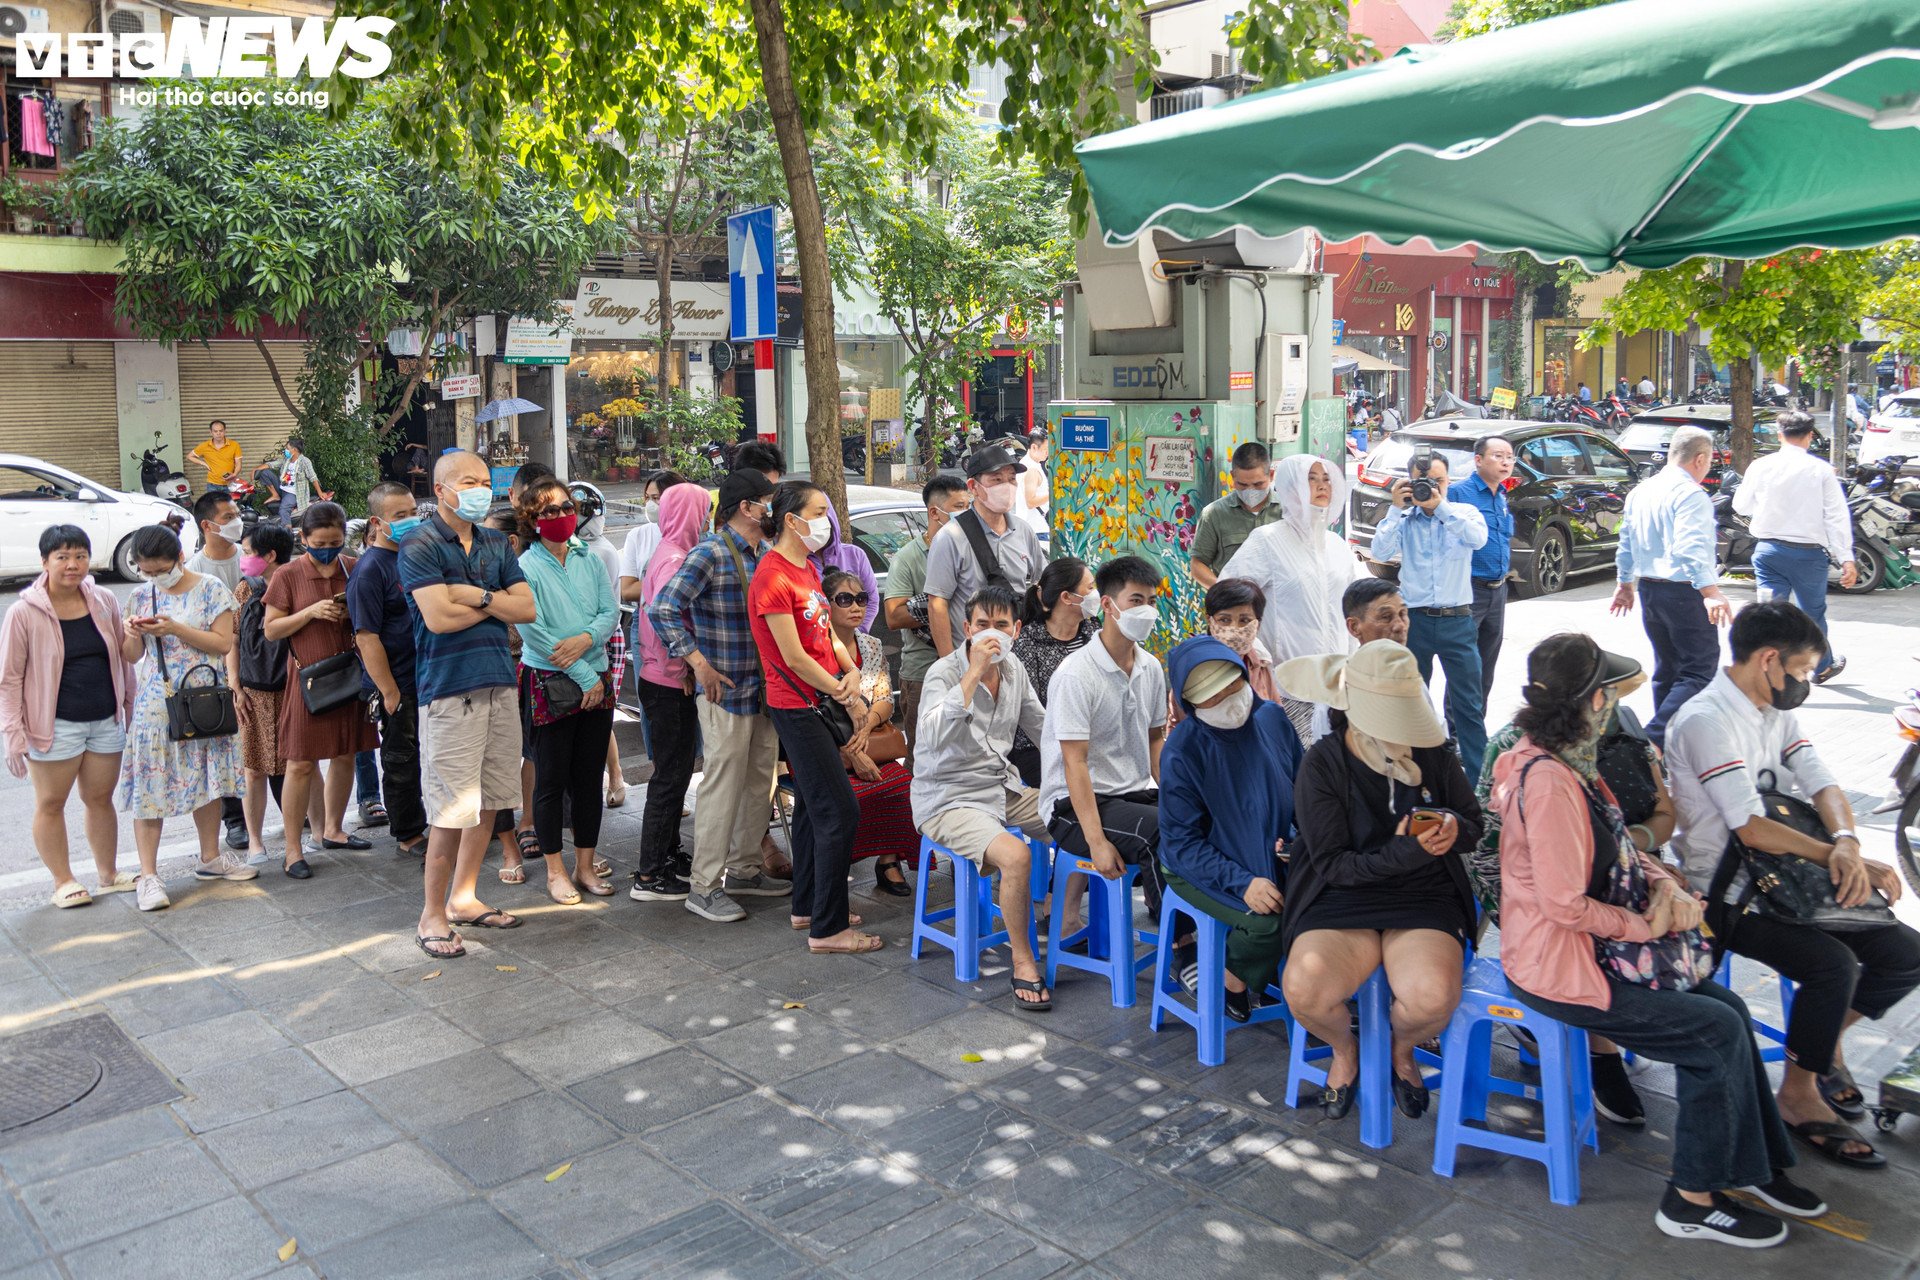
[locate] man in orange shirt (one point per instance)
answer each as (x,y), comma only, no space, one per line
(219,456)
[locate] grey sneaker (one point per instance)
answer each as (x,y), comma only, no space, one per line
(149,894)
(759,885)
(227,866)
(716,906)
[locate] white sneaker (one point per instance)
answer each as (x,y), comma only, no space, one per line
(228,866)
(150,895)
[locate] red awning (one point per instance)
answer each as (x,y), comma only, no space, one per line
(1377,286)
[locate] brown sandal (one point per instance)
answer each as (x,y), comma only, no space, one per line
(861,942)
(806,922)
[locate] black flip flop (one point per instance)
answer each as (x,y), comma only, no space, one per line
(422,939)
(351,842)
(1827,1139)
(480,921)
(1839,1082)
(1031,986)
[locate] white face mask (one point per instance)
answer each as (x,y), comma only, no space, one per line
(998,645)
(818,531)
(1251,498)
(1137,624)
(592,529)
(165,581)
(1090,605)
(653,511)
(1230,714)
(997,498)
(231,530)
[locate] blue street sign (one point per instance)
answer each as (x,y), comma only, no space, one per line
(1339,330)
(1086,435)
(754,310)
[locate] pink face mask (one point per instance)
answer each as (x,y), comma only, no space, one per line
(997,498)
(253,566)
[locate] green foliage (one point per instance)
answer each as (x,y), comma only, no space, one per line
(951,260)
(241,215)
(682,422)
(1281,41)
(1477,17)
(1895,301)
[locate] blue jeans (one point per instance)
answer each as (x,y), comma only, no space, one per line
(1800,572)
(366,774)
(1455,641)
(1686,647)
(1728,1133)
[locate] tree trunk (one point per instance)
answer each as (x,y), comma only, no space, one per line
(1839,427)
(1740,378)
(810,245)
(663,273)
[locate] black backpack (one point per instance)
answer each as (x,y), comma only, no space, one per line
(263,662)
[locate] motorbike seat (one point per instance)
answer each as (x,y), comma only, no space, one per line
(1910,500)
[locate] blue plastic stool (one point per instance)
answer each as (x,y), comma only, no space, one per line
(973,913)
(1376,1061)
(1565,1090)
(1208,1014)
(1109,933)
(1777,1051)
(1044,852)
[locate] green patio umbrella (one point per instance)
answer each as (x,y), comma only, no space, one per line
(1644,132)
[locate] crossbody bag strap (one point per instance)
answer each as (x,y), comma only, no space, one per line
(740,567)
(160,649)
(976,533)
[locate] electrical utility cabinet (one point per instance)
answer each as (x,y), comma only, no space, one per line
(1153,411)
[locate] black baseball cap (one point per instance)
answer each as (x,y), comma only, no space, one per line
(991,458)
(743,486)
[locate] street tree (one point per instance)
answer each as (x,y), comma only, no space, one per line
(236,215)
(954,256)
(1806,300)
(598,70)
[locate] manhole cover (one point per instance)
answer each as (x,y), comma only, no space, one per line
(42,1081)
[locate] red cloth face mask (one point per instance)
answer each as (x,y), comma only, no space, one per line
(557,528)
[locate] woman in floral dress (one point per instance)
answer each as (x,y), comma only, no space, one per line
(187,619)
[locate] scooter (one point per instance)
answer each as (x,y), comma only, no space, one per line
(158,477)
(1883,532)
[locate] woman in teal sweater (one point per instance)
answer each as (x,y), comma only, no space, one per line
(563,683)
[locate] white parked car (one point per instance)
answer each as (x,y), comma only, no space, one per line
(35,494)
(1894,429)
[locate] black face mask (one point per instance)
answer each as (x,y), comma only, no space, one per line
(1789,695)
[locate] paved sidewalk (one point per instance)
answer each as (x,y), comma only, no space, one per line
(724,1105)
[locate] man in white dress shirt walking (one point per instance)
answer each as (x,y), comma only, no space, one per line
(1798,513)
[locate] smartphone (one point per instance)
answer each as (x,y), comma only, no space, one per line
(1423,821)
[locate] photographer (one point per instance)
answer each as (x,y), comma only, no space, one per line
(1434,540)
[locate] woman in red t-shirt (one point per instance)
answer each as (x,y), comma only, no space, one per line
(794,634)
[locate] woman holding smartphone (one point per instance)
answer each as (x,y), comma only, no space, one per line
(1378,876)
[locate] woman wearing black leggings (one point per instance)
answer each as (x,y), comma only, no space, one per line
(805,676)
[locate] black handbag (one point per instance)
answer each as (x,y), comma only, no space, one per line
(1781,886)
(195,711)
(1625,762)
(331,682)
(837,719)
(561,692)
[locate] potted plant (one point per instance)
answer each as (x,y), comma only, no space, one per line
(20,203)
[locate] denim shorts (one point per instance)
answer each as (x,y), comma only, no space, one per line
(71,737)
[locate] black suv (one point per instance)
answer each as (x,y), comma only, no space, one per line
(1646,438)
(1568,491)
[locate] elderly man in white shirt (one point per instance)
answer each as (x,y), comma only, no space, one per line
(1795,506)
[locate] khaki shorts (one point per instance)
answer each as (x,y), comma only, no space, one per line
(968,832)
(470,756)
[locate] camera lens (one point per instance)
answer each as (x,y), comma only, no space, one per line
(1422,489)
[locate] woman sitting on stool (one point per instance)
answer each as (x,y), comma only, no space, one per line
(1378,877)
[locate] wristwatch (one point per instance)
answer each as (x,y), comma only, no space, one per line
(1846,835)
(486,598)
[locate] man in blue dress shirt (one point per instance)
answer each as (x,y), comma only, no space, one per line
(1667,558)
(1486,491)
(1434,540)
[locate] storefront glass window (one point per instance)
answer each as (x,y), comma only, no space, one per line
(610,395)
(865,367)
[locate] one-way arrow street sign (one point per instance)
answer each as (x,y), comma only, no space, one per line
(754,312)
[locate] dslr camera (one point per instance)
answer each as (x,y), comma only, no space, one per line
(1417,469)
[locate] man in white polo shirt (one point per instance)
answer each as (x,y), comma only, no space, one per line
(1800,520)
(1100,751)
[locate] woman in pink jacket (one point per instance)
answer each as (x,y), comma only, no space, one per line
(1563,848)
(65,697)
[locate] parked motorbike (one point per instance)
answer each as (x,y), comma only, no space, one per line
(1883,532)
(158,477)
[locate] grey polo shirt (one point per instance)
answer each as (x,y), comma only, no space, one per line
(960,749)
(953,574)
(1091,700)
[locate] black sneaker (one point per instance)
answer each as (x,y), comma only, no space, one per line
(661,888)
(237,835)
(680,863)
(1788,1196)
(1839,665)
(1726,1221)
(1613,1093)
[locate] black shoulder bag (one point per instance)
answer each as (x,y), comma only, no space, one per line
(969,522)
(837,719)
(194,711)
(1787,888)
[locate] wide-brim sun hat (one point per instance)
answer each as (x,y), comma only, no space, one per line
(1378,686)
(1209,678)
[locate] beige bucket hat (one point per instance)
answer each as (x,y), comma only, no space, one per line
(1378,686)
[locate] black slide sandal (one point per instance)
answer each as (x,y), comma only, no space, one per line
(1031,986)
(1827,1140)
(1837,1083)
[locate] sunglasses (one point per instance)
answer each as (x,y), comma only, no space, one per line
(548,513)
(847,599)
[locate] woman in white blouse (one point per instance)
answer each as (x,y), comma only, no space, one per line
(1303,566)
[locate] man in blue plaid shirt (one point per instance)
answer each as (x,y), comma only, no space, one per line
(701,617)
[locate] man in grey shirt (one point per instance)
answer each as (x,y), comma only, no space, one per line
(966,793)
(954,570)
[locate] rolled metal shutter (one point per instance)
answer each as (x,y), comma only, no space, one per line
(58,402)
(230,381)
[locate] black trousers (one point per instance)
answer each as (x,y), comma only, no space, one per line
(1867,970)
(825,817)
(1686,647)
(1131,822)
(1490,622)
(569,757)
(671,720)
(400,770)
